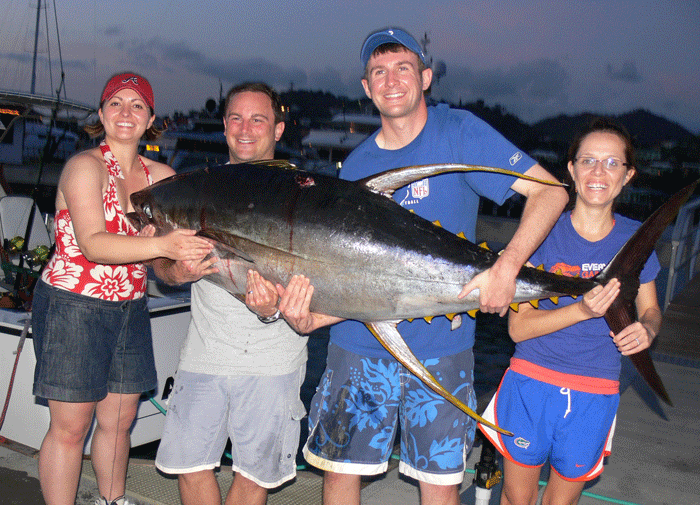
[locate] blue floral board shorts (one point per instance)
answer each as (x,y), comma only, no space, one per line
(86,347)
(354,413)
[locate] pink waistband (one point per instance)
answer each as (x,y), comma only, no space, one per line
(576,382)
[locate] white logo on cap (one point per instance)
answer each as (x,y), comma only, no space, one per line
(132,79)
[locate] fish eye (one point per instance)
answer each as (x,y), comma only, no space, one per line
(147,211)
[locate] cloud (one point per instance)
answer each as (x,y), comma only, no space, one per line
(540,81)
(113,31)
(626,73)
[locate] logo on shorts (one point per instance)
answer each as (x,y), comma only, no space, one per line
(522,443)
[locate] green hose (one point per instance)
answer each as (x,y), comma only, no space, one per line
(585,493)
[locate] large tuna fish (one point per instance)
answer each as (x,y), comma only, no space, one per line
(368,258)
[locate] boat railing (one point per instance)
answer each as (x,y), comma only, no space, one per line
(685,245)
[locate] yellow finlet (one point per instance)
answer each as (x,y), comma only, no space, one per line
(437,223)
(515,306)
(472,313)
(429,319)
(555,300)
(535,303)
(462,235)
(484,245)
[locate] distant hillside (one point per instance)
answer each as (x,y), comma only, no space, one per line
(647,128)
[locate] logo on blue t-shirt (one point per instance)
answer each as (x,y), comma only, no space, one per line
(416,192)
(515,158)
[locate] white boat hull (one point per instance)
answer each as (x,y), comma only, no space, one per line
(27,418)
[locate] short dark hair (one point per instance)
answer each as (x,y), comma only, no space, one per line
(393,47)
(258,87)
(607,125)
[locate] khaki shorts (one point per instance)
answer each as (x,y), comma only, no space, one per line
(260,414)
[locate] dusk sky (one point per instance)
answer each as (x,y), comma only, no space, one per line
(535,58)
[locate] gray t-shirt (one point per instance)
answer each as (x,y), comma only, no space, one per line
(226,338)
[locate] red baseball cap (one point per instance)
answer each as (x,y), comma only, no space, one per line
(131,81)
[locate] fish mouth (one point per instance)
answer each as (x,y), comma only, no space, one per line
(136,220)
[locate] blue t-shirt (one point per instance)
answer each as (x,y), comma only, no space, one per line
(449,136)
(585,348)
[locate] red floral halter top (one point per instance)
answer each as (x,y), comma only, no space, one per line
(68,269)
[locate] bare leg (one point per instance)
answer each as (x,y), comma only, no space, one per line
(341,489)
(433,494)
(562,492)
(246,491)
(199,488)
(61,454)
(520,484)
(111,441)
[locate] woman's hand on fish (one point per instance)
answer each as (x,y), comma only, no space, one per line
(597,301)
(634,338)
(183,245)
(261,296)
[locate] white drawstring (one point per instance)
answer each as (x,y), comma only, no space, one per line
(567,392)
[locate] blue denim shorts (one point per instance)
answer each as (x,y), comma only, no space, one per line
(86,347)
(359,401)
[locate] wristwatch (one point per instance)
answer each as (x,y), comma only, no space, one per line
(270,319)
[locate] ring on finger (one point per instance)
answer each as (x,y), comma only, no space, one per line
(637,340)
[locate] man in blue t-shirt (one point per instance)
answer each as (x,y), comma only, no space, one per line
(365,391)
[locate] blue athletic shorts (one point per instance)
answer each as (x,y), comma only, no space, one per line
(572,429)
(260,414)
(354,414)
(86,347)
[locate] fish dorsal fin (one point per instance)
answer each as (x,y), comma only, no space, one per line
(274,163)
(389,181)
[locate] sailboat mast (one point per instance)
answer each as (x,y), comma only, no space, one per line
(36,43)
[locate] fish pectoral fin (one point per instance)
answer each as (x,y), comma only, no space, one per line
(232,250)
(391,339)
(389,181)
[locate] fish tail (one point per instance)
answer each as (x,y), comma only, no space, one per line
(626,267)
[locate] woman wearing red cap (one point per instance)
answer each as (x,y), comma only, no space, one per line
(90,320)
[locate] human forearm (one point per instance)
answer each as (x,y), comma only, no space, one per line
(541,211)
(529,322)
(113,248)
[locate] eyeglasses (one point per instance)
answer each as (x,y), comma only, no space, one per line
(610,163)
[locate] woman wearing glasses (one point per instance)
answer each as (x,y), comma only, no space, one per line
(561,392)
